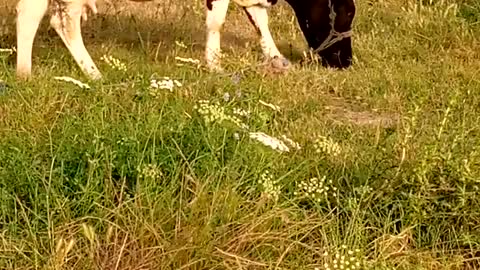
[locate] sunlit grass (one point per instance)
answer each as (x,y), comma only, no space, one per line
(164,165)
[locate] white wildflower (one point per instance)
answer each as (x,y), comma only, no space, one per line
(72,80)
(150,171)
(226,96)
(316,189)
(271,187)
(271,106)
(270,141)
(114,63)
(344,259)
(165,84)
(214,113)
(241,112)
(326,145)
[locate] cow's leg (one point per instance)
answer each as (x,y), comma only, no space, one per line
(216,13)
(259,18)
(29,15)
(67,23)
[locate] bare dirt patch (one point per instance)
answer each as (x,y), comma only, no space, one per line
(343,111)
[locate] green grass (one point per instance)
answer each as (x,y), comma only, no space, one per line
(125,177)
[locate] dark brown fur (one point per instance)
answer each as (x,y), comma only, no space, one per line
(209,4)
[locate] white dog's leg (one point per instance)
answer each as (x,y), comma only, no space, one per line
(29,16)
(216,13)
(67,23)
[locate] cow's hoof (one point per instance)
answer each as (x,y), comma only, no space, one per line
(279,64)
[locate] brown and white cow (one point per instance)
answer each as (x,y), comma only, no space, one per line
(326,25)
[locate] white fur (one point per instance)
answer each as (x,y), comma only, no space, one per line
(215,20)
(66,22)
(260,18)
(257,9)
(29,15)
(68,26)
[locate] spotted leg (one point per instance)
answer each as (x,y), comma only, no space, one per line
(216,13)
(29,15)
(67,23)
(259,18)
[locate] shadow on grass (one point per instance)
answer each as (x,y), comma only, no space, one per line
(154,36)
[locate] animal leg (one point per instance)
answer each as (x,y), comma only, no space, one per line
(67,23)
(216,13)
(29,16)
(259,18)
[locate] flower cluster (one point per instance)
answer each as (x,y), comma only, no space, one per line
(363,190)
(326,145)
(114,63)
(275,143)
(270,141)
(150,171)
(345,259)
(165,84)
(241,112)
(214,113)
(316,189)
(271,187)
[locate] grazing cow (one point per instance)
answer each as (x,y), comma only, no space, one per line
(326,25)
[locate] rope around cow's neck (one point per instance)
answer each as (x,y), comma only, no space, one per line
(333,36)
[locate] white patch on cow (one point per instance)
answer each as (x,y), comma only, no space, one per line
(257,10)
(29,15)
(67,16)
(250,3)
(90,5)
(260,18)
(215,20)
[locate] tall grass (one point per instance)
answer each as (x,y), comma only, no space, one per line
(126,175)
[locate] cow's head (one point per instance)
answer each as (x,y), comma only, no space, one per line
(327,26)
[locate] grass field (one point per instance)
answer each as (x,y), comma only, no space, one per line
(125,175)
